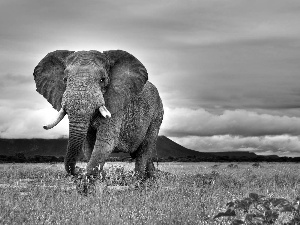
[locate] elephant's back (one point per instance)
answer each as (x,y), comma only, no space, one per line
(149,88)
(150,95)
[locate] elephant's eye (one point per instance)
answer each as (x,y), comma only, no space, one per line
(102,80)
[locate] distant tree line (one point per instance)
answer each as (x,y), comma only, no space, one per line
(21,158)
(227,159)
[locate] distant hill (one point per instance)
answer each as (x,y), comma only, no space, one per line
(31,147)
(57,147)
(166,150)
(242,154)
(166,147)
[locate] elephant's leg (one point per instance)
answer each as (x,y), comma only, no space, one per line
(150,169)
(106,140)
(102,149)
(144,166)
(88,144)
(101,152)
(141,161)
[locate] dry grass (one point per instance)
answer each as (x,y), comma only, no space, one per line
(188,193)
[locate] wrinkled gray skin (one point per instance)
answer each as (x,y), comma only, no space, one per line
(80,83)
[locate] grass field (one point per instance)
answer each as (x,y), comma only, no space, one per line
(190,193)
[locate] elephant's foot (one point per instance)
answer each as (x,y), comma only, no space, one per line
(85,185)
(150,170)
(77,171)
(143,181)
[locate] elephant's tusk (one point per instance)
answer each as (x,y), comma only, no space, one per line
(104,112)
(61,114)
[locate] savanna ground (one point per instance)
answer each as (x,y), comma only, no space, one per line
(187,193)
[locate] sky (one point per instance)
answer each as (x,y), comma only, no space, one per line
(227,70)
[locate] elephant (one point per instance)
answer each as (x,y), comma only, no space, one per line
(110,104)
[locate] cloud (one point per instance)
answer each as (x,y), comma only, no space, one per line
(23,111)
(282,145)
(180,122)
(18,92)
(27,123)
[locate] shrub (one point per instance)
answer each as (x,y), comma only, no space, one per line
(260,210)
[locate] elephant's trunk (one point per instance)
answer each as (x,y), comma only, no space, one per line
(80,106)
(81,100)
(77,134)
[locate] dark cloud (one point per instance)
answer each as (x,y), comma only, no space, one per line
(14,79)
(18,91)
(237,76)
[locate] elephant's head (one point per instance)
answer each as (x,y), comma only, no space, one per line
(82,84)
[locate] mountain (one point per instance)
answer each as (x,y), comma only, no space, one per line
(57,147)
(166,149)
(31,147)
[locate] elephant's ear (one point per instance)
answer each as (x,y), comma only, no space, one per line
(49,75)
(127,79)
